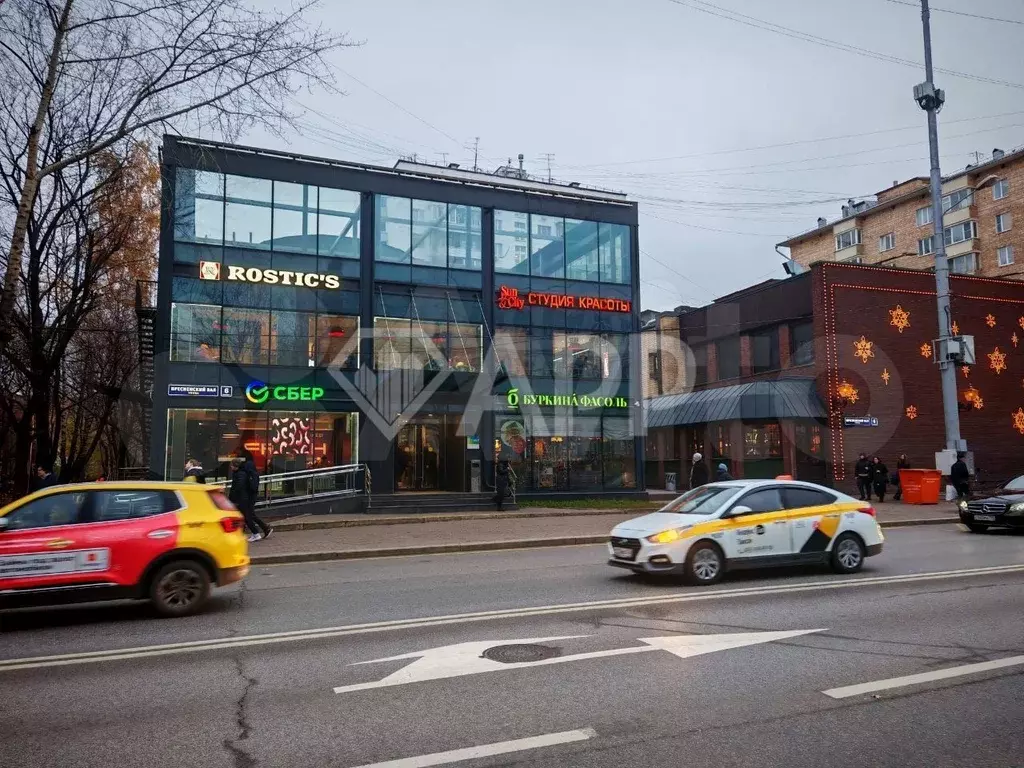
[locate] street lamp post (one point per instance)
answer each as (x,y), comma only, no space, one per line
(931,99)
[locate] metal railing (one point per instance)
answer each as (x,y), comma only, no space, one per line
(306,484)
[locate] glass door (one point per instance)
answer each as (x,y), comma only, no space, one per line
(419,452)
(407,458)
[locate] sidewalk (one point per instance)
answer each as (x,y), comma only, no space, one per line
(345,537)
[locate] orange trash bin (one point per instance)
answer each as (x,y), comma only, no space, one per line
(920,486)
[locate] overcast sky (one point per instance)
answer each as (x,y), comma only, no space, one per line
(666,102)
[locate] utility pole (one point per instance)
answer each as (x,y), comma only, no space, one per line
(930,99)
(476,153)
(549,157)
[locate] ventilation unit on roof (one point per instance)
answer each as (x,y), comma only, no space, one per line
(997,154)
(822,221)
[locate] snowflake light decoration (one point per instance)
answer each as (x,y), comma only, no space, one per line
(956,329)
(863,349)
(965,370)
(926,350)
(973,398)
(997,360)
(1018,420)
(886,376)
(1020,322)
(911,412)
(848,392)
(990,321)
(1014,339)
(899,318)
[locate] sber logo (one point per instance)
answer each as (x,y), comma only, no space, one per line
(257,392)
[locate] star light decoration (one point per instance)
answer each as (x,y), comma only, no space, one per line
(1020,322)
(848,392)
(965,370)
(956,329)
(990,320)
(863,349)
(1014,339)
(899,318)
(997,360)
(886,376)
(911,412)
(1018,420)
(926,350)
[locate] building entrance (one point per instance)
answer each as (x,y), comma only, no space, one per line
(419,456)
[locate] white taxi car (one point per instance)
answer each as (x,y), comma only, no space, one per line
(748,524)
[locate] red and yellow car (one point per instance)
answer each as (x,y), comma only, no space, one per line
(168,543)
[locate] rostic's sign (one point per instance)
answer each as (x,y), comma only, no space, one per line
(514,400)
(214,270)
(258,393)
(510,298)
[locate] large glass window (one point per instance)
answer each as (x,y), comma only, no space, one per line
(292,339)
(511,242)
(247,212)
(199,206)
(245,336)
(393,225)
(584,453)
(195,333)
(294,217)
(547,246)
(512,347)
(465,237)
(429,233)
(580,354)
(728,355)
(615,253)
(801,343)
(338,228)
(764,351)
(619,451)
(337,339)
(581,250)
(465,346)
(392,342)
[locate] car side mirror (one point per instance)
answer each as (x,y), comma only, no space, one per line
(739,510)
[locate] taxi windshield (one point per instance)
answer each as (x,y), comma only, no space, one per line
(705,500)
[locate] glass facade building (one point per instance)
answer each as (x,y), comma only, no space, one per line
(415,319)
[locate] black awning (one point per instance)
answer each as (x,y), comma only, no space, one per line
(756,400)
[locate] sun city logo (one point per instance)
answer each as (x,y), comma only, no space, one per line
(514,400)
(258,393)
(211,270)
(510,298)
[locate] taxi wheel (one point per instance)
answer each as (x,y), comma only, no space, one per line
(847,554)
(704,564)
(180,588)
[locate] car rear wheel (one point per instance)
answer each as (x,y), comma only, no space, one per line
(976,527)
(847,554)
(180,588)
(704,564)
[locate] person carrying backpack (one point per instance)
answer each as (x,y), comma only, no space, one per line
(245,487)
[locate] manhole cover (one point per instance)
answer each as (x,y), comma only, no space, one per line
(514,654)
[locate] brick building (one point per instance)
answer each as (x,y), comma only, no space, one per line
(984,224)
(799,376)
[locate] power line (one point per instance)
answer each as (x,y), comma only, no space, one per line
(958,13)
(767,26)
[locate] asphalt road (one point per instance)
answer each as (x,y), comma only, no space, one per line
(623,683)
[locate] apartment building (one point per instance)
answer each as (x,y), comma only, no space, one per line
(983,224)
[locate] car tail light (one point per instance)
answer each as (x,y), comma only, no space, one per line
(222,502)
(231,524)
(868,511)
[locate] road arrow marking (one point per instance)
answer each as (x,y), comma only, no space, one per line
(465,659)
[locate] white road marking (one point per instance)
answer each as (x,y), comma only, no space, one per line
(487,750)
(465,659)
(924,677)
(194,646)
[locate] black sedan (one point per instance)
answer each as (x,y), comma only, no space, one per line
(1005,509)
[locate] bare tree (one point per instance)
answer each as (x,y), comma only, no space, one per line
(85,76)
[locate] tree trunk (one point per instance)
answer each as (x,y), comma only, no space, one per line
(31,183)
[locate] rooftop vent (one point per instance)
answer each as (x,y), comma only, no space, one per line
(822,221)
(997,154)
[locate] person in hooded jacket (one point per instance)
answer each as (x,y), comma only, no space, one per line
(901,463)
(723,474)
(699,472)
(500,483)
(863,471)
(245,486)
(880,477)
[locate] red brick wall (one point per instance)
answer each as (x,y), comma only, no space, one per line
(852,302)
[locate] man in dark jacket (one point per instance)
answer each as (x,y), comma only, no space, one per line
(901,463)
(863,473)
(44,478)
(879,477)
(699,472)
(245,485)
(723,474)
(194,472)
(960,476)
(500,483)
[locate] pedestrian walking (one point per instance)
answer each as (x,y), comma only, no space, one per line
(194,472)
(901,463)
(44,478)
(698,472)
(863,472)
(245,484)
(879,477)
(960,477)
(723,474)
(500,483)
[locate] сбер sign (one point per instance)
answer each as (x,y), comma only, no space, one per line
(510,298)
(213,270)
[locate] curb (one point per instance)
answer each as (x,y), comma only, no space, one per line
(488,546)
(450,517)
